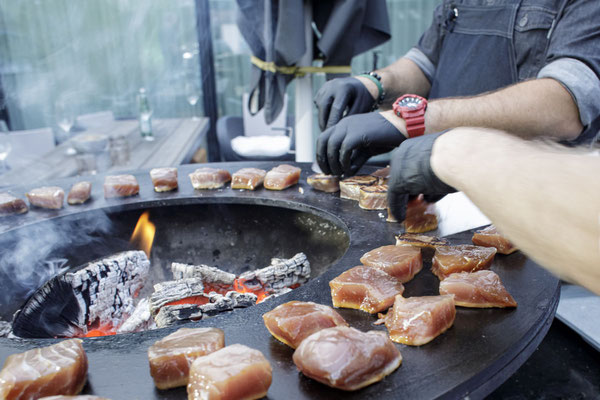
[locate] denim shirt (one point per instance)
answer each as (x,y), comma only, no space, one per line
(558,39)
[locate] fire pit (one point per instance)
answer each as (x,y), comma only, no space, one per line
(239,231)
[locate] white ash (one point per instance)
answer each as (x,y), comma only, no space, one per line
(168,291)
(280,274)
(182,313)
(5,328)
(140,320)
(105,289)
(211,276)
(278,293)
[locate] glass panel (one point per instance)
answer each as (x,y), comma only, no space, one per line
(92,56)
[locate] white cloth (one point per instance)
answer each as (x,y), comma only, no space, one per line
(261,146)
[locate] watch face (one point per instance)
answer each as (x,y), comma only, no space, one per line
(410,102)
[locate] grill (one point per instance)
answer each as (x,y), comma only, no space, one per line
(237,231)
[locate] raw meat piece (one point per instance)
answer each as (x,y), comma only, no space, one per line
(461,258)
(10,204)
(79,193)
(373,197)
(248,178)
(382,175)
(414,239)
(346,358)
(420,216)
(281,177)
(164,179)
(47,371)
(418,320)
(490,237)
(324,183)
(120,186)
(209,178)
(294,321)
(365,288)
(47,197)
(234,372)
(350,187)
(80,397)
(401,262)
(481,289)
(170,358)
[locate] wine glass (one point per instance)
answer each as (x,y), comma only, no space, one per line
(64,112)
(5,148)
(192,94)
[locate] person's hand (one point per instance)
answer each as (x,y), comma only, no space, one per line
(411,174)
(346,146)
(337,95)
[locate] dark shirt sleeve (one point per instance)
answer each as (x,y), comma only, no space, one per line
(573,56)
(426,53)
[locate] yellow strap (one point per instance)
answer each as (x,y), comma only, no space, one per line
(299,71)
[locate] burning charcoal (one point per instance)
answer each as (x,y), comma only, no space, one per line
(120,186)
(100,295)
(47,197)
(177,314)
(140,320)
(10,204)
(5,328)
(164,179)
(211,277)
(277,294)
(170,291)
(280,274)
(79,193)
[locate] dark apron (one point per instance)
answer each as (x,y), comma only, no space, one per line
(477,52)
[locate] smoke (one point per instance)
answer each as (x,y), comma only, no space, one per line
(32,255)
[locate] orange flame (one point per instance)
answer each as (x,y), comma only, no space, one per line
(143,234)
(239,286)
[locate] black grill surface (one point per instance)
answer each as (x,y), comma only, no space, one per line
(481,350)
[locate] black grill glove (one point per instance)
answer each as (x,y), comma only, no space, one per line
(346,146)
(411,174)
(337,95)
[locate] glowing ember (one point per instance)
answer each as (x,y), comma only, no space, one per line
(143,234)
(239,286)
(100,331)
(200,300)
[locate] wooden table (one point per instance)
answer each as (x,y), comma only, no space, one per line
(175,142)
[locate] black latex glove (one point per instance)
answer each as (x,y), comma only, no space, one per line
(337,95)
(346,146)
(411,174)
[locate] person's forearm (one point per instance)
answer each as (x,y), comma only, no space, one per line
(401,77)
(536,108)
(544,199)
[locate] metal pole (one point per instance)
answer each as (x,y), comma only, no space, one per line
(207,76)
(305,151)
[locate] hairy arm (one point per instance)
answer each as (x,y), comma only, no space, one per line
(401,77)
(544,198)
(535,108)
(530,109)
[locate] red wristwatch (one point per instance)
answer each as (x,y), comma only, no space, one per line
(411,108)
